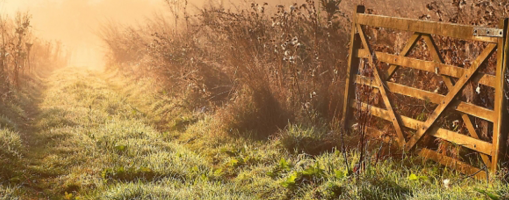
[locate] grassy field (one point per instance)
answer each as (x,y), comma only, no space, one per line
(228,104)
(92,135)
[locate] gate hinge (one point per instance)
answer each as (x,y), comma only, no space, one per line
(488,32)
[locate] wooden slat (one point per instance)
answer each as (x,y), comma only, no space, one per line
(404,52)
(382,113)
(459,139)
(464,107)
(429,66)
(352,68)
(451,96)
(453,163)
(463,32)
(384,91)
(464,140)
(487,80)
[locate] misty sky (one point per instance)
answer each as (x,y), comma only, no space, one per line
(75,22)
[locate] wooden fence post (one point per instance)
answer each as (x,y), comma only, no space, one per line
(500,125)
(352,69)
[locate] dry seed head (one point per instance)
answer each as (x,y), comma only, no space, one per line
(447,183)
(292,59)
(295,40)
(455,123)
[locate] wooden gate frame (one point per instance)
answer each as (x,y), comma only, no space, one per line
(497,42)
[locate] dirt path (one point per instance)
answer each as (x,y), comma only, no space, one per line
(85,140)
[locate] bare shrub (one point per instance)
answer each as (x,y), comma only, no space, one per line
(260,67)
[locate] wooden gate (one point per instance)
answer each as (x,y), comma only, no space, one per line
(454,77)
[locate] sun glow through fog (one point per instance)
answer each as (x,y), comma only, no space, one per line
(76,22)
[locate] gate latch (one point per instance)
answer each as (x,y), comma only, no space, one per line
(488,32)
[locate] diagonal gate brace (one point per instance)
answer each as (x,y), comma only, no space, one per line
(382,86)
(450,96)
(449,82)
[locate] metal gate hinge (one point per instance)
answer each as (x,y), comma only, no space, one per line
(488,32)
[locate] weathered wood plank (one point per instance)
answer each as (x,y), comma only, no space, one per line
(464,140)
(453,163)
(382,113)
(352,68)
(451,95)
(429,66)
(463,32)
(487,80)
(471,109)
(460,139)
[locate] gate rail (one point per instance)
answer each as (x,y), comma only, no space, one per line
(497,42)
